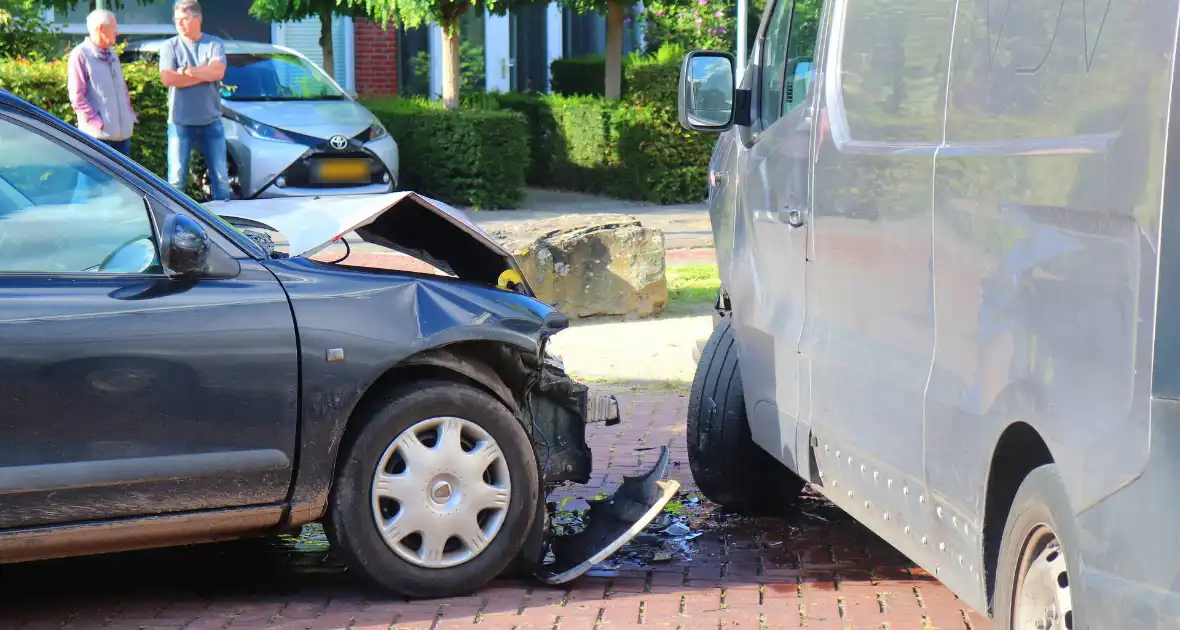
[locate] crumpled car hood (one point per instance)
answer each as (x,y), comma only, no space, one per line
(418,226)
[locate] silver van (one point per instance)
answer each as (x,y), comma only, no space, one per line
(946,303)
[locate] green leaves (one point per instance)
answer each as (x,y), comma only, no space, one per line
(294,10)
(408,13)
(24,33)
(625,149)
(43,83)
(472,156)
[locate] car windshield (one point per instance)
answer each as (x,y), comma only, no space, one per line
(275,77)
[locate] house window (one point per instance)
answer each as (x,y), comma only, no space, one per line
(131,13)
(227,19)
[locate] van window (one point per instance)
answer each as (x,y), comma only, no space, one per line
(893,72)
(788,58)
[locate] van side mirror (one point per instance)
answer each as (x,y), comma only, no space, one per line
(705,99)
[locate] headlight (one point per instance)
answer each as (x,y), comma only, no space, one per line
(257,129)
(266,132)
(377,132)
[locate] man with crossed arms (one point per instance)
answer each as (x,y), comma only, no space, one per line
(192,65)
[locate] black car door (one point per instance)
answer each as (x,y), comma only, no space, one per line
(123,391)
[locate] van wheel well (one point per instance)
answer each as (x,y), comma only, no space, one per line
(1019,451)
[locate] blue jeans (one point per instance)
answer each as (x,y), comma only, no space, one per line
(122,146)
(211,141)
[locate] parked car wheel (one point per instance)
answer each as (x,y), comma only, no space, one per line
(1034,588)
(435,494)
(728,467)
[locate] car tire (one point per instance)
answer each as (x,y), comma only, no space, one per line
(728,467)
(1038,549)
(532,552)
(435,492)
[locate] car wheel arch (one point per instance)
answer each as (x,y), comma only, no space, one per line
(461,362)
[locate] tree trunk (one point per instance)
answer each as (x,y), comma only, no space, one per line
(450,65)
(615,14)
(327,45)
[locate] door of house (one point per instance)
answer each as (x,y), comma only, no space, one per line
(528,48)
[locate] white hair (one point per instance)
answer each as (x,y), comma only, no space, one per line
(97,18)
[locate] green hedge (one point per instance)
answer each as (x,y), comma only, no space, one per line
(474,156)
(657,159)
(653,80)
(578,76)
(633,149)
(541,128)
(43,83)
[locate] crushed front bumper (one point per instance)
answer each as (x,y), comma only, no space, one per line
(561,409)
(611,523)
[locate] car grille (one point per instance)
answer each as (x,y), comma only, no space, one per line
(299,174)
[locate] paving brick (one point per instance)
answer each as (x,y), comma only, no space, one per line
(775,574)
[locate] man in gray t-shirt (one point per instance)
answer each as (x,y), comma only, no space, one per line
(191,66)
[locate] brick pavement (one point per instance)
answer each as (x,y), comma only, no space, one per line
(819,570)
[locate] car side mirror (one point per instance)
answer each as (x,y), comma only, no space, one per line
(185,246)
(705,99)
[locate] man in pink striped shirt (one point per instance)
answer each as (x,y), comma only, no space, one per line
(98,92)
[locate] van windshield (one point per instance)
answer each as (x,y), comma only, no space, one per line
(275,77)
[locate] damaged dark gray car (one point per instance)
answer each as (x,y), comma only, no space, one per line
(171,376)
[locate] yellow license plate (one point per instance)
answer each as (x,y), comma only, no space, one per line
(341,170)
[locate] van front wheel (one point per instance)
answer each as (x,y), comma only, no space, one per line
(728,467)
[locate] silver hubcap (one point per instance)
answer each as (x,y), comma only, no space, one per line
(1043,600)
(440,492)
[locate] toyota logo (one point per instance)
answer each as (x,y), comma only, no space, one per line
(339,143)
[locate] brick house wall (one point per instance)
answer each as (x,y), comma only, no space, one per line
(376,59)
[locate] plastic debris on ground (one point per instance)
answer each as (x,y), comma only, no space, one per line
(668,538)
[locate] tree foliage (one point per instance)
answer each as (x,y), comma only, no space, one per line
(417,13)
(24,32)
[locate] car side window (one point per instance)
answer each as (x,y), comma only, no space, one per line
(788,57)
(59,213)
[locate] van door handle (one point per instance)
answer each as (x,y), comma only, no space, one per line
(794,217)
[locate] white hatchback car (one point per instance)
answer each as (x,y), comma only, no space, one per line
(290,129)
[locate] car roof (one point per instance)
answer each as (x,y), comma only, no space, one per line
(231,46)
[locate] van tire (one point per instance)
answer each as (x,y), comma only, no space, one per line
(1040,508)
(351,520)
(728,467)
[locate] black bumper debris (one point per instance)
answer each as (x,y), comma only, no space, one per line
(611,523)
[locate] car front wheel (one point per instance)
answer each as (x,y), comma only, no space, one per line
(434,496)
